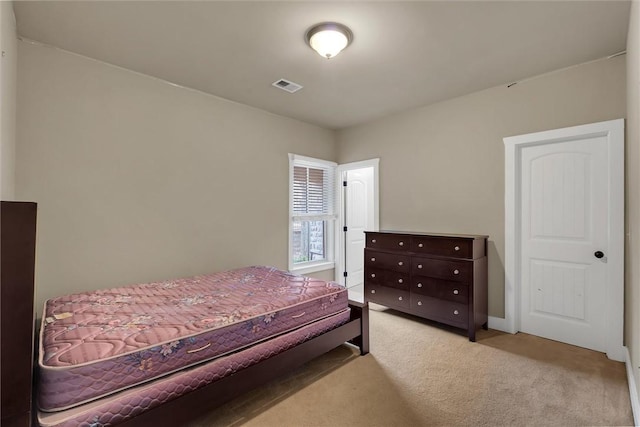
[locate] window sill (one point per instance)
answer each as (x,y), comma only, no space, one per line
(312,268)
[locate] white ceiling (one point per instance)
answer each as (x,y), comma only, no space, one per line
(404,54)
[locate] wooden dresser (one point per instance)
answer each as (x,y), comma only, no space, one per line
(441,277)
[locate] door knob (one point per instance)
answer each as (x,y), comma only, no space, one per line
(598,254)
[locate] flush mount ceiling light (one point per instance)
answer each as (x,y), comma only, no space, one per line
(329,38)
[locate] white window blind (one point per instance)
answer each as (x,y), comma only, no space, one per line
(312,216)
(312,193)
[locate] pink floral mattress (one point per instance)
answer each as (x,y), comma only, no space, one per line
(96,343)
(136,400)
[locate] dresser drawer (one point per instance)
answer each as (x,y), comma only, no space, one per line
(459,271)
(441,289)
(451,313)
(391,297)
(442,246)
(387,241)
(388,261)
(388,278)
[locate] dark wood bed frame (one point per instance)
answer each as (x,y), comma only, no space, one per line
(190,406)
(17,259)
(194,404)
(18,264)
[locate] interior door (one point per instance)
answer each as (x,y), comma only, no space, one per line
(564,241)
(359,216)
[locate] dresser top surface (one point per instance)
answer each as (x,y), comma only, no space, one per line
(427,234)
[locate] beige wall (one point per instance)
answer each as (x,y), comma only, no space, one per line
(8,67)
(139,180)
(442,166)
(632,250)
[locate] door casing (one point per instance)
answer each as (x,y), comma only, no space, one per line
(613,130)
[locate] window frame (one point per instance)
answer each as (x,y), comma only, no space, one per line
(330,218)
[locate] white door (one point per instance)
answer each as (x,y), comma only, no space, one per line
(564,223)
(569,252)
(358,218)
(358,208)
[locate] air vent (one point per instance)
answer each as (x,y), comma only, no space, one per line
(290,87)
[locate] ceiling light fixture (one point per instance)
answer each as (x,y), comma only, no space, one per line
(329,38)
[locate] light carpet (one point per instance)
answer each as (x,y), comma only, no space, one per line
(421,373)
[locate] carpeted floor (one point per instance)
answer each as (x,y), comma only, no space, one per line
(418,374)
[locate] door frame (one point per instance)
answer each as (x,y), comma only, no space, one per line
(613,130)
(340,204)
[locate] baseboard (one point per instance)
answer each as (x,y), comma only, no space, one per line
(633,391)
(498,323)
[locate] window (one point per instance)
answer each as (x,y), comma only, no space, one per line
(311,214)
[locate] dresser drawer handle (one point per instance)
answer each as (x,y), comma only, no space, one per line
(400,280)
(399,298)
(373,260)
(420,245)
(400,263)
(456,312)
(373,275)
(419,265)
(401,243)
(456,272)
(419,302)
(373,291)
(457,248)
(419,285)
(455,292)
(373,240)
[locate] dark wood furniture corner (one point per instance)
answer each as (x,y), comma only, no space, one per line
(17,264)
(360,311)
(441,277)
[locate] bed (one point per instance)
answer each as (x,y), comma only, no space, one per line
(165,352)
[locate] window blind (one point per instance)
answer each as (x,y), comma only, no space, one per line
(312,193)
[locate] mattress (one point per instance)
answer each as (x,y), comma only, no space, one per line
(96,343)
(136,400)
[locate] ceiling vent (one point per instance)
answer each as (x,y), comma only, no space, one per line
(290,87)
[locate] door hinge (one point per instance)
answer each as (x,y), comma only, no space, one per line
(344,228)
(344,274)
(344,183)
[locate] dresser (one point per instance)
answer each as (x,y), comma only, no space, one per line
(17,261)
(441,277)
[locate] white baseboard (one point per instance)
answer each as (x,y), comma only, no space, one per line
(633,391)
(498,323)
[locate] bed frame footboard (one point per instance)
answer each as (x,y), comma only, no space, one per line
(191,405)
